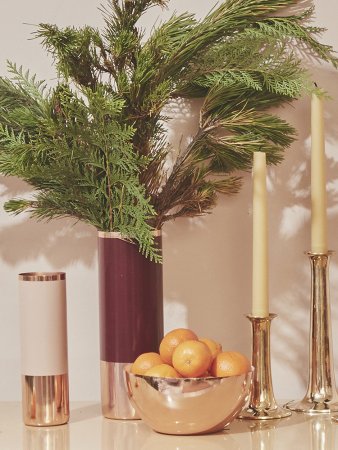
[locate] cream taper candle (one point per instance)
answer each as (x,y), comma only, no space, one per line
(318,180)
(260,272)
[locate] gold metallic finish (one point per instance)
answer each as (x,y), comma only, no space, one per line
(45,400)
(321,396)
(114,398)
(262,404)
(186,406)
(116,235)
(42,276)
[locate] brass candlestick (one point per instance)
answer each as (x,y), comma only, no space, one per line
(321,396)
(262,403)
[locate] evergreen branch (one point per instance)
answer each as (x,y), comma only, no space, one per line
(74,50)
(290,27)
(95,147)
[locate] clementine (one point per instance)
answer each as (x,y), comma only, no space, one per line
(162,370)
(214,347)
(144,362)
(227,364)
(191,358)
(171,341)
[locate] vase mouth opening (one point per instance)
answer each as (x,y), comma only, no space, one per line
(117,235)
(42,276)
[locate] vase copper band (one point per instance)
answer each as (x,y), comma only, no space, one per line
(45,400)
(42,276)
(114,400)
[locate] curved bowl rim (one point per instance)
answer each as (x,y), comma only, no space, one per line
(149,377)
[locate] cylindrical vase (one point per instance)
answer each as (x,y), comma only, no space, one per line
(131,316)
(44,360)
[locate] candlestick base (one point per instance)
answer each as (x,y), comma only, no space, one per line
(321,396)
(310,406)
(275,412)
(262,404)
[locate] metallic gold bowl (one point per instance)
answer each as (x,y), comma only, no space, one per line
(188,405)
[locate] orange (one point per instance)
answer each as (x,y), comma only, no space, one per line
(163,371)
(214,346)
(191,358)
(144,362)
(171,341)
(227,364)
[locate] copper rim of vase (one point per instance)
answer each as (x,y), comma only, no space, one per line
(117,235)
(42,276)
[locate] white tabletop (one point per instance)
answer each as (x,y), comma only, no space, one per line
(88,430)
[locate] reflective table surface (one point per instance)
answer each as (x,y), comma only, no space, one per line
(88,430)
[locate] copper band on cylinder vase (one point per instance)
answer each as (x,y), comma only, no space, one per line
(321,396)
(131,315)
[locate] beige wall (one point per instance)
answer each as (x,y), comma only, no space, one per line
(207,260)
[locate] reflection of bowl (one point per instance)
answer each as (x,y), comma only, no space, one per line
(188,405)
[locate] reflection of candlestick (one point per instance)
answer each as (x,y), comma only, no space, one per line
(322,433)
(262,437)
(260,284)
(318,185)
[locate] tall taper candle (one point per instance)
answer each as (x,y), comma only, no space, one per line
(260,273)
(318,183)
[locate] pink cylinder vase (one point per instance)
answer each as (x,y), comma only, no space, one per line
(44,360)
(131,315)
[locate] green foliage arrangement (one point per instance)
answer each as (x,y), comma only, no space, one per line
(94,147)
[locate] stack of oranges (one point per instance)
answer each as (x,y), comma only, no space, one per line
(183,354)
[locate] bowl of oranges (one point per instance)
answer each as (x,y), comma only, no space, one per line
(191,386)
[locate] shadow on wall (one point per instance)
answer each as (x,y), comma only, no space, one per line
(60,241)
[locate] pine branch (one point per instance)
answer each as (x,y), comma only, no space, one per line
(95,147)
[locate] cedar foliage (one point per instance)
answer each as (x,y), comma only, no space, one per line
(94,147)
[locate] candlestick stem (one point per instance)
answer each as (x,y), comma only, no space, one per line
(262,403)
(321,396)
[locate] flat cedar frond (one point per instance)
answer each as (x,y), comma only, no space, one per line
(95,146)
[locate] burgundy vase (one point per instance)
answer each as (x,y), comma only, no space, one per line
(131,315)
